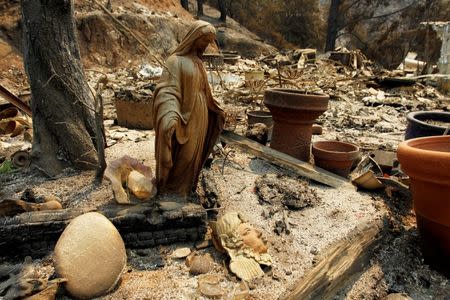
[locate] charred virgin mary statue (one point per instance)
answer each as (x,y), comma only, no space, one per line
(187,119)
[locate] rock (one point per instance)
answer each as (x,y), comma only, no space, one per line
(200,264)
(91,255)
(181,253)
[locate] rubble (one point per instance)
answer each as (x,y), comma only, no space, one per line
(23,281)
(285,191)
(368,107)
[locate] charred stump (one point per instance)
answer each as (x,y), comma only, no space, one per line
(62,104)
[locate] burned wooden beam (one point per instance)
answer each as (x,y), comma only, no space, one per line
(286,161)
(339,265)
(14,100)
(141,226)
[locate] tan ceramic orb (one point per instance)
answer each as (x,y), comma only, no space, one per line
(91,255)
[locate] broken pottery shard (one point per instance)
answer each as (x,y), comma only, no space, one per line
(49,205)
(91,255)
(140,185)
(15,207)
(118,172)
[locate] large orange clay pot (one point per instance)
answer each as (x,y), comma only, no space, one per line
(427,162)
(294,113)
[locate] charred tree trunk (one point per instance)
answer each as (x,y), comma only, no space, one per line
(332,29)
(63,110)
(199,7)
(223,10)
(185,4)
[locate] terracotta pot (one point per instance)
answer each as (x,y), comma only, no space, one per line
(231,59)
(21,159)
(13,128)
(417,127)
(259,116)
(334,156)
(293,114)
(427,162)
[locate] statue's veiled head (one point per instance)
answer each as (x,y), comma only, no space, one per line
(197,39)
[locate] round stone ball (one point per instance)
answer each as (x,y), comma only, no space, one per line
(91,255)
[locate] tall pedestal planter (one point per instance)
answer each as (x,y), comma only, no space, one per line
(294,113)
(427,162)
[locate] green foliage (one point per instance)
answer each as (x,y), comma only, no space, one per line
(6,167)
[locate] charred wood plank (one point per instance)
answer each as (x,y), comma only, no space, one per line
(286,161)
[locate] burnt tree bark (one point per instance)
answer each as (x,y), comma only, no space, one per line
(62,104)
(200,7)
(185,4)
(223,10)
(332,27)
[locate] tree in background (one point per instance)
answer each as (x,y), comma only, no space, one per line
(223,10)
(185,4)
(332,25)
(64,126)
(199,7)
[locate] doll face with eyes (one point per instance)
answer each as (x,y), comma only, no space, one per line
(252,238)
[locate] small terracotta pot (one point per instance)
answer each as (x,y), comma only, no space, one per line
(259,116)
(427,162)
(335,156)
(293,113)
(13,128)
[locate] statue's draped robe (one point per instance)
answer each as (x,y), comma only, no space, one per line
(184,95)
